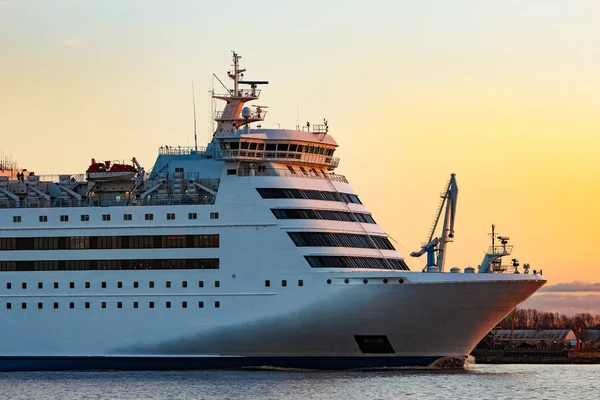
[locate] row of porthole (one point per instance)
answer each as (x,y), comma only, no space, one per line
(365,281)
(184,284)
(107,217)
(135,304)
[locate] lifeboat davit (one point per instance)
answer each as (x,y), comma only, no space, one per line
(107,171)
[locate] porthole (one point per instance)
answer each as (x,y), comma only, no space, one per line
(400,280)
(346,280)
(385,281)
(365,281)
(329,281)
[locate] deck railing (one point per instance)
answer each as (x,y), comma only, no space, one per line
(289,174)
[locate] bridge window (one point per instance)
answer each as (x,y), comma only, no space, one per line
(148,217)
(85,218)
(127,217)
(17,219)
(105,217)
(43,218)
(64,218)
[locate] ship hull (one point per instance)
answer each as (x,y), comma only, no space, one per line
(426,318)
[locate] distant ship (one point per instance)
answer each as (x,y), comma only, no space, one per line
(249,252)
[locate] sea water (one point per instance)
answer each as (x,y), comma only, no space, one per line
(473,382)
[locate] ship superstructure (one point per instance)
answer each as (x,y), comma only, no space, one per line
(252,251)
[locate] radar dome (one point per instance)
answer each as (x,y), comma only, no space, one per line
(246,112)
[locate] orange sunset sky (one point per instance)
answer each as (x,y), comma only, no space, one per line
(506,94)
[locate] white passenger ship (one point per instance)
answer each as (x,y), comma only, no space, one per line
(249,252)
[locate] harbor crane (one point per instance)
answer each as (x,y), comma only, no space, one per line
(437,245)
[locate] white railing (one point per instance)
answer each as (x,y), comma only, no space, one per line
(180,150)
(287,173)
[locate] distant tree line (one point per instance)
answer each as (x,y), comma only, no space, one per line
(534,319)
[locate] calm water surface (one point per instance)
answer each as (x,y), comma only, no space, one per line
(475,382)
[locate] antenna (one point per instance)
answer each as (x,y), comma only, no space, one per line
(297,117)
(194,103)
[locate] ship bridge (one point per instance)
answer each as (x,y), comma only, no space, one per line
(278,145)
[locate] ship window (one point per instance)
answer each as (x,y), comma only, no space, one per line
(120,285)
(231,172)
(323,239)
(261,168)
(271,146)
(267,283)
(151,304)
(284,283)
(127,217)
(87,304)
(200,304)
(168,284)
(87,285)
(23,305)
(179,169)
(64,218)
(72,285)
(55,305)
(135,304)
(16,219)
(261,146)
(105,217)
(55,285)
(356,262)
(214,215)
(135,284)
(8,285)
(200,283)
(40,285)
(293,147)
(235,145)
(43,218)
(24,285)
(192,216)
(151,284)
(71,305)
(103,304)
(170,216)
(184,284)
(119,304)
(184,304)
(253,146)
(300,282)
(8,306)
(291,169)
(103,285)
(217,284)
(244,145)
(85,217)
(217,304)
(40,305)
(283,147)
(148,217)
(168,304)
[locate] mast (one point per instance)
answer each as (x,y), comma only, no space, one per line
(235,115)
